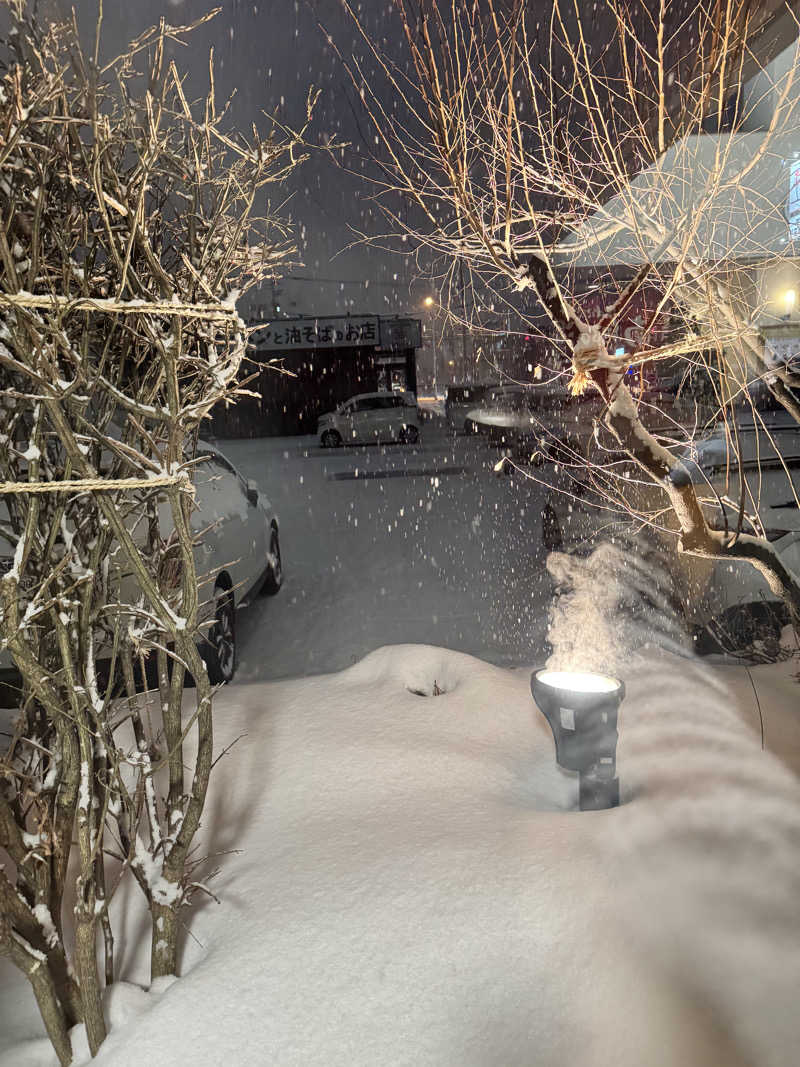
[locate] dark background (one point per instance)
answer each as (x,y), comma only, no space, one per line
(271,52)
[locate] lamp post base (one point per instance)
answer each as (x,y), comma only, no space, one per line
(596,794)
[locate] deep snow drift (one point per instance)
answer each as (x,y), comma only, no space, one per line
(413,885)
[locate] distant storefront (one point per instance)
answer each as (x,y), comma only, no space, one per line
(300,368)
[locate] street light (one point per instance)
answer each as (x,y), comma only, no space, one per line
(429,302)
(581,710)
(789,298)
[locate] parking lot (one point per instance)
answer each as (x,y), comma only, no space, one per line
(394,544)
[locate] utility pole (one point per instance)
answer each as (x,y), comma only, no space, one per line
(463,320)
(429,304)
(276,294)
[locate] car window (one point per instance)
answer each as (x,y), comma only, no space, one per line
(511,396)
(220,491)
(368,403)
(215,459)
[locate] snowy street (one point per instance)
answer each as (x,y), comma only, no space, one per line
(393,544)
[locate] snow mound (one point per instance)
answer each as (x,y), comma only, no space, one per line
(414,885)
(421,669)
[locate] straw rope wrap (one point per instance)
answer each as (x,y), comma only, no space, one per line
(109,305)
(85,485)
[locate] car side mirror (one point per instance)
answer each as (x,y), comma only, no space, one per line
(252,493)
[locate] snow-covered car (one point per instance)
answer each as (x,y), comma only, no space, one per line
(371,417)
(711,590)
(536,419)
(459,401)
(238,553)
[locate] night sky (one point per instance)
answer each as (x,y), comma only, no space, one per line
(271,51)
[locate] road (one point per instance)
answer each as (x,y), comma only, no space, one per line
(394,544)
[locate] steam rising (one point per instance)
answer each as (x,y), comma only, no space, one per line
(616,601)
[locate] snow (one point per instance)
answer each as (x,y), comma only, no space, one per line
(414,885)
(404,878)
(45,920)
(163,892)
(83,789)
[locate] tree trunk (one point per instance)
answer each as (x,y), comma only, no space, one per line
(86,966)
(164,942)
(38,974)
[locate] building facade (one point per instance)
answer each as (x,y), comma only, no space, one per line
(299,368)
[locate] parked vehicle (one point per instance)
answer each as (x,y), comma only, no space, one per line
(540,420)
(238,553)
(459,401)
(714,592)
(371,417)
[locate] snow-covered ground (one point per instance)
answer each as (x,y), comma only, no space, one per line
(412,883)
(392,544)
(415,887)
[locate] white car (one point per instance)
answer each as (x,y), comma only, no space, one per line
(716,594)
(541,420)
(237,554)
(460,400)
(538,422)
(371,417)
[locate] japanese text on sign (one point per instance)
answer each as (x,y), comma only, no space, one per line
(317,333)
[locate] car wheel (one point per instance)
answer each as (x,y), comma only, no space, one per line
(219,648)
(274,577)
(409,435)
(552,538)
(331,439)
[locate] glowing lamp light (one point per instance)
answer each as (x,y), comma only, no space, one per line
(581,710)
(428,301)
(789,299)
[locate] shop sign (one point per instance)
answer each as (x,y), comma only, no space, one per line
(401,333)
(337,332)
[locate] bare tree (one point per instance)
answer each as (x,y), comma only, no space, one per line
(130,221)
(519,141)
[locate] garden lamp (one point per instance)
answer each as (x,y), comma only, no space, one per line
(581,709)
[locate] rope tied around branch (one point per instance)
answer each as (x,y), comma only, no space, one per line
(112,306)
(87,485)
